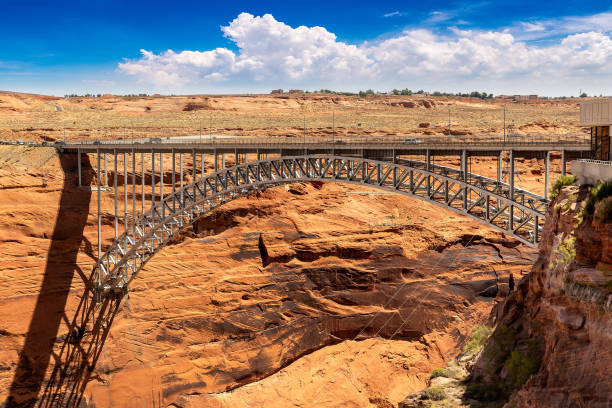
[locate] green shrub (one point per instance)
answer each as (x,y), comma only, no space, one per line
(441,372)
(561,182)
(435,393)
(484,392)
(597,193)
(521,366)
(480,334)
(603,210)
(566,252)
(607,286)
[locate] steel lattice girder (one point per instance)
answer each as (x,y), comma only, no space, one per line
(490,203)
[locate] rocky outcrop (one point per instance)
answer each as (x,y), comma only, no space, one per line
(552,345)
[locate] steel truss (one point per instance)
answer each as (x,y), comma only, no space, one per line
(515,212)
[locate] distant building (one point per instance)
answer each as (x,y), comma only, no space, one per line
(295,91)
(597,114)
(276,91)
(525,97)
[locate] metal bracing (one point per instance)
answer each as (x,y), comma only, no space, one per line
(483,199)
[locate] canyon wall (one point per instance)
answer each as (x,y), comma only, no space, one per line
(553,339)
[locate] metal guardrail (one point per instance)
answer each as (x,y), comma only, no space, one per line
(603,162)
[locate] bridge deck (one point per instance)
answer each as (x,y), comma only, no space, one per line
(438,146)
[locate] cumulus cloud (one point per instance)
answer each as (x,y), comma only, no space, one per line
(270,52)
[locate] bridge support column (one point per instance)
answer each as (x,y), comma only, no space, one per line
(394,169)
(236,157)
(464,171)
(181,176)
(500,166)
(428,167)
(115,194)
(546,174)
(174,183)
(161,190)
(202,164)
(105,171)
(152,178)
(99,219)
(222,161)
(134,193)
(563,163)
(125,193)
(511,193)
(79,165)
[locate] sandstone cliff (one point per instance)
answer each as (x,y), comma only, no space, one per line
(553,343)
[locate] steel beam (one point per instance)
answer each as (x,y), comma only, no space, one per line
(546,174)
(79,165)
(128,254)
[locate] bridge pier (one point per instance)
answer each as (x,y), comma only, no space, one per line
(115,194)
(134,192)
(427,167)
(546,174)
(511,183)
(99,219)
(125,193)
(153,178)
(174,178)
(464,175)
(79,165)
(500,165)
(563,163)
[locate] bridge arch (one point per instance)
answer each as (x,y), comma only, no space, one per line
(515,212)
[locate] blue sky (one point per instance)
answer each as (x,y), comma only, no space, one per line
(59,47)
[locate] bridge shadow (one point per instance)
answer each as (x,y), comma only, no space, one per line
(89,326)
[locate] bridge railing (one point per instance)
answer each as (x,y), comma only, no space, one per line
(408,140)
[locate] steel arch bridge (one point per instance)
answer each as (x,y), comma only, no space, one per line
(515,212)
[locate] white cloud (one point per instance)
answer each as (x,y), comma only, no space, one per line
(392,14)
(271,53)
(531,27)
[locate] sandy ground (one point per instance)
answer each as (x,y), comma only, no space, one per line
(33,117)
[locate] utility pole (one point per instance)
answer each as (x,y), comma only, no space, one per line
(304,129)
(449,122)
(200,130)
